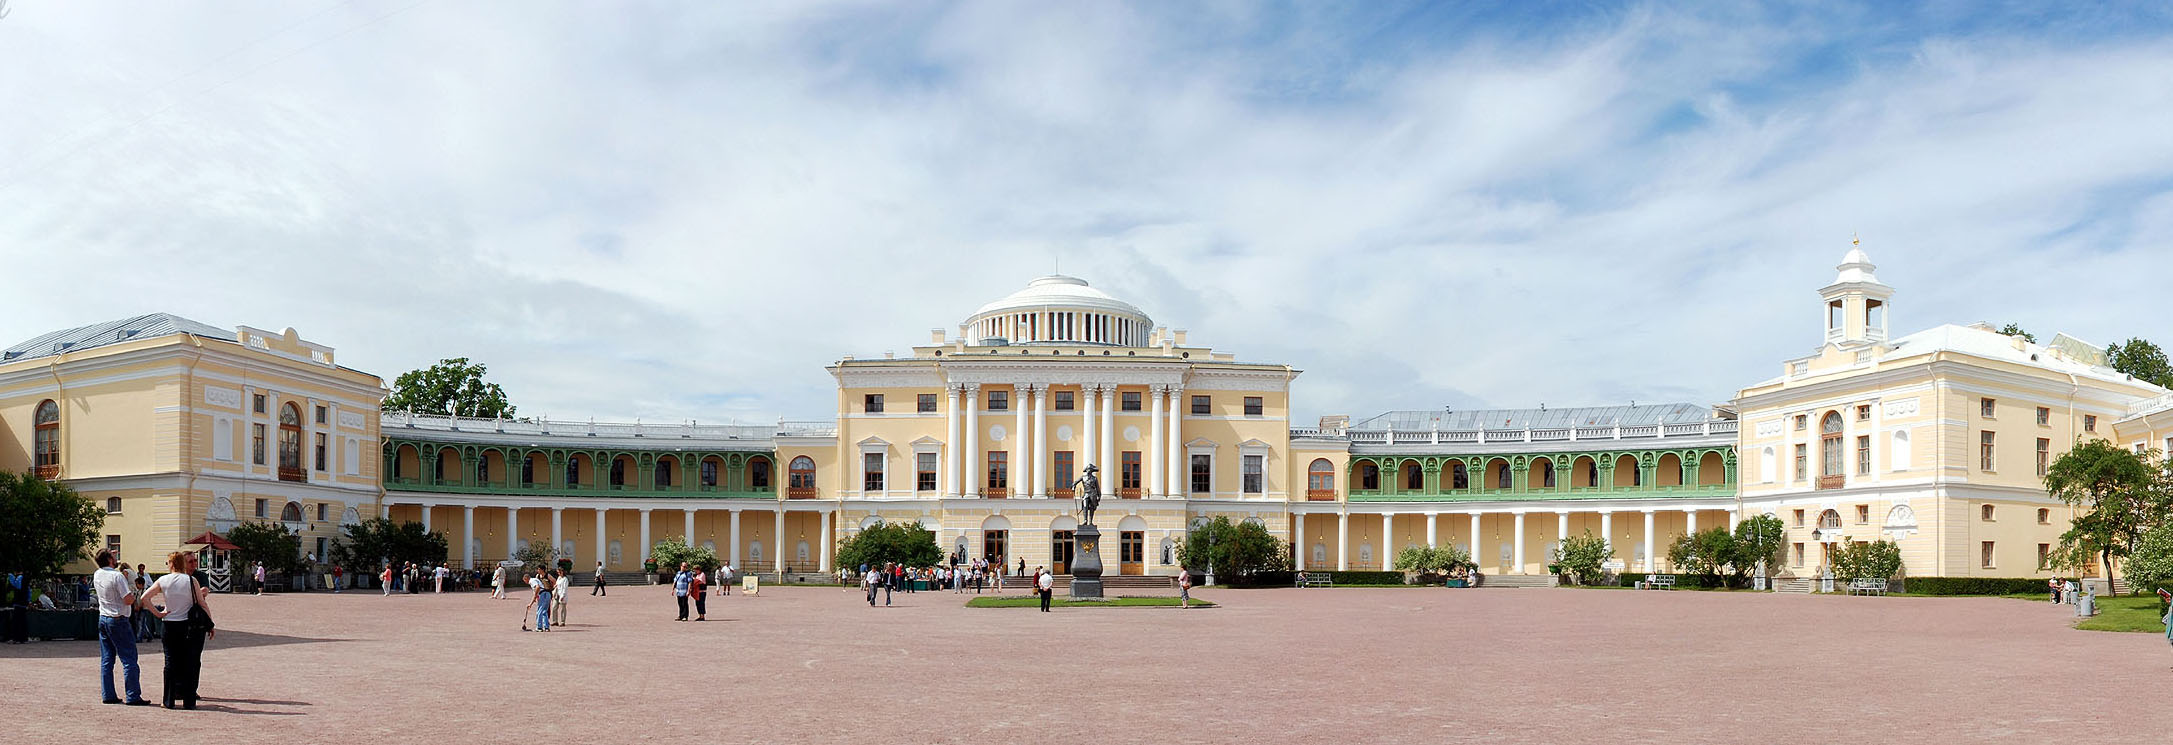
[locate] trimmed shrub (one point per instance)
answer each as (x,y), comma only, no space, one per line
(1973,585)
(1365,578)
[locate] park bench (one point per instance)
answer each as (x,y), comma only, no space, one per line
(1867,587)
(1315,579)
(1659,582)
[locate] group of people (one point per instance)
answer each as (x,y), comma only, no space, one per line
(692,582)
(547,591)
(178,599)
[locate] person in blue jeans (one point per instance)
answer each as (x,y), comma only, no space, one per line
(543,600)
(116,637)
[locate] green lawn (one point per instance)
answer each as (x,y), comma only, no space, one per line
(1030,601)
(2125,613)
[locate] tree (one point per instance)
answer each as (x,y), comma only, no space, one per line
(453,386)
(1880,559)
(2115,494)
(537,555)
(2142,359)
(1703,552)
(1234,550)
(44,525)
(367,545)
(2016,330)
(1582,557)
(907,544)
(2150,565)
(1432,561)
(266,543)
(1758,540)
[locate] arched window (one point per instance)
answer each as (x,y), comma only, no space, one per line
(1459,477)
(47,436)
(1830,455)
(758,473)
(1502,478)
(1413,478)
(292,513)
(1829,520)
(663,473)
(1898,455)
(573,472)
(1369,476)
(618,470)
(1319,479)
(290,443)
(801,478)
(113,506)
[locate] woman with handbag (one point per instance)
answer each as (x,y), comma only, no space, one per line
(188,623)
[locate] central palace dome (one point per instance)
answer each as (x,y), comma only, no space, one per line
(1059,309)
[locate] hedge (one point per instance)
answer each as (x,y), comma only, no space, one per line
(1630,579)
(1973,586)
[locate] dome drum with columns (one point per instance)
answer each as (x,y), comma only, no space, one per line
(1059,309)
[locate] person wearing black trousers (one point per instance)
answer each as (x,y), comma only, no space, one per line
(173,596)
(599,590)
(1046,584)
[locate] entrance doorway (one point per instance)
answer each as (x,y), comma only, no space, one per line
(994,545)
(1132,552)
(1060,552)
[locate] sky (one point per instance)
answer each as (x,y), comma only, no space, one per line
(674,211)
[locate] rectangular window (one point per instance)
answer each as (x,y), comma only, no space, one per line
(321,415)
(1802,422)
(872,403)
(322,510)
(2044,455)
(320,451)
(1863,455)
(1203,473)
(1863,514)
(256,402)
(1799,518)
(2044,556)
(1128,478)
(708,473)
(320,548)
(1985,554)
(1863,413)
(263,508)
(1984,450)
(1803,461)
(999,472)
(2089,422)
(1060,475)
(113,543)
(1202,405)
(256,444)
(2044,416)
(1064,400)
(1984,407)
(1253,477)
(1987,511)
(1798,556)
(871,471)
(999,400)
(1130,401)
(1254,406)
(924,471)
(925,403)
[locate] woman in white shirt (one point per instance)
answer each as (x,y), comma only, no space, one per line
(184,642)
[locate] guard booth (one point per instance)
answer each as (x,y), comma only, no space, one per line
(216,558)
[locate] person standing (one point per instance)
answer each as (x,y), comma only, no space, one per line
(725,575)
(384,580)
(560,588)
(1022,567)
(140,618)
(682,582)
(890,584)
(1184,588)
(339,573)
(867,582)
(599,588)
(541,600)
(439,575)
(498,583)
(259,577)
(699,590)
(1047,582)
(184,641)
(116,639)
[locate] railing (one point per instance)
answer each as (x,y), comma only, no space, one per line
(2153,403)
(293,474)
(800,492)
(1547,434)
(1831,482)
(1539,435)
(1504,435)
(688,430)
(47,473)
(1548,493)
(548,490)
(1320,495)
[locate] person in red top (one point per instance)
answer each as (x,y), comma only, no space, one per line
(701,596)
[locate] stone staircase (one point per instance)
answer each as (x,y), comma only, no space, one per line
(1797,585)
(1518,581)
(612,579)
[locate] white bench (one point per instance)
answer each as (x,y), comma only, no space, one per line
(1659,582)
(1315,579)
(1867,587)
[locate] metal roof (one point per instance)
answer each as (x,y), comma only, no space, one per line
(1585,416)
(147,326)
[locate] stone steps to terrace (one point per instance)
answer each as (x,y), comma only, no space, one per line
(1518,581)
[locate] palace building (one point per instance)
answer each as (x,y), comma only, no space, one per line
(981,434)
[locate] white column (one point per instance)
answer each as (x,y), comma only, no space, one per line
(688,534)
(735,541)
(1041,442)
(829,526)
(971,469)
(779,538)
(1735,517)
(1179,482)
(644,551)
(1433,529)
(1561,528)
(1475,559)
(1690,521)
(1298,546)
(1650,561)
(1607,533)
(467,535)
(1088,438)
(603,542)
(557,528)
(1516,549)
(1387,552)
(1153,487)
(1108,451)
(426,516)
(1022,459)
(1343,541)
(951,445)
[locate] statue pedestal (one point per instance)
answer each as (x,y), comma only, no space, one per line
(1086,563)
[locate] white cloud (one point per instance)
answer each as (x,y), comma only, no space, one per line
(686,211)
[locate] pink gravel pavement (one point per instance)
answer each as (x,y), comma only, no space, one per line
(800,665)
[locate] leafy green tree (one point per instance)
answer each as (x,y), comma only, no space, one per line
(1234,550)
(2016,330)
(1879,559)
(670,551)
(904,543)
(2116,496)
(453,386)
(267,543)
(1582,557)
(44,525)
(365,546)
(2150,565)
(1758,539)
(1703,552)
(1432,561)
(536,555)
(2142,359)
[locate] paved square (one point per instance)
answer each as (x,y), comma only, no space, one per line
(1342,665)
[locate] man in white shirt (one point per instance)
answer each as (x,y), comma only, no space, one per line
(1046,582)
(558,598)
(439,575)
(116,638)
(498,583)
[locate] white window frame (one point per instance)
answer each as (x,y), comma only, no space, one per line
(928,447)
